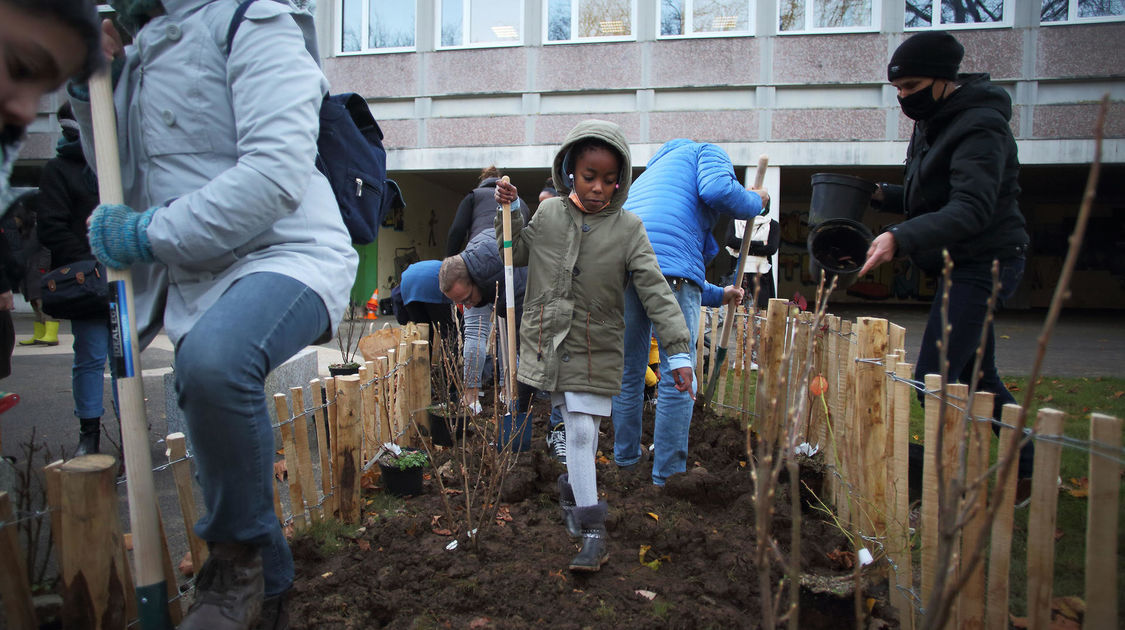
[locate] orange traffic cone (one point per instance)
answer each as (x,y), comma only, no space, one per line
(373,305)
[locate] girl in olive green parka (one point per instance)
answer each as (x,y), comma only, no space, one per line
(582,249)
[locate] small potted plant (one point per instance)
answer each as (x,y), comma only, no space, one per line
(402,469)
(447,423)
(348,335)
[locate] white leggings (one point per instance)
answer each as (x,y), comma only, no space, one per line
(581,449)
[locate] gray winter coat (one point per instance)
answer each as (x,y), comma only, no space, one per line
(224,144)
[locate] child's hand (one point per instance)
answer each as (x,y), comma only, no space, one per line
(763,194)
(112,45)
(683,377)
(505,192)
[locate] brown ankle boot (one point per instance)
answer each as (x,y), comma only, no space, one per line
(229,589)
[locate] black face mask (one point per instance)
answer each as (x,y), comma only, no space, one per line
(921,104)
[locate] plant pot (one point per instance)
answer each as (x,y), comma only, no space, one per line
(839,247)
(515,431)
(343,370)
(446,430)
(836,196)
(402,483)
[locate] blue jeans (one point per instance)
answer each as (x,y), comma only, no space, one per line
(968,306)
(221,367)
(673,408)
(477,326)
(87,375)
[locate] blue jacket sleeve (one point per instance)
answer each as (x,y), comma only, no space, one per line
(720,189)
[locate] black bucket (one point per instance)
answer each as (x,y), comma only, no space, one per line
(839,247)
(837,196)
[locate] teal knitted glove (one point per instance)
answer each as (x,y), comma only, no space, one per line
(118,235)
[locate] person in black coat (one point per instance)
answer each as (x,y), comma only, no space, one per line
(960,192)
(68,193)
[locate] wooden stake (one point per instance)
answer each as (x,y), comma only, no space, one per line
(368,413)
(175,610)
(53,485)
(14,588)
(421,389)
(322,453)
(871,423)
(1101,528)
(930,486)
(93,578)
(383,390)
(1000,541)
(896,340)
(770,396)
(900,496)
(296,497)
(1041,520)
(979,446)
(304,454)
(181,473)
(346,461)
(331,505)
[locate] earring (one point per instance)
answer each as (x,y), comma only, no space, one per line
(616,186)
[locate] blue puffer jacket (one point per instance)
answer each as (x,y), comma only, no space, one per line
(679,196)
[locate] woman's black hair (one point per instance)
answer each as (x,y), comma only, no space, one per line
(81,16)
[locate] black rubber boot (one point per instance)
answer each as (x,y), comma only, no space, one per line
(566,502)
(229,589)
(89,436)
(275,613)
(595,549)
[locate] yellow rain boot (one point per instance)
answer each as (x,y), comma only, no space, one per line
(35,336)
(50,334)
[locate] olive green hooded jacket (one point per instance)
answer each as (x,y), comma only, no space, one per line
(572,335)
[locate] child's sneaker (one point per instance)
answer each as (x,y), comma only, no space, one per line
(556,443)
(8,400)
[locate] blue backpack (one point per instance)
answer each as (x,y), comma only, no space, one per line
(350,153)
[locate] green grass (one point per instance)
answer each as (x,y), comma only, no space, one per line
(1077,398)
(329,535)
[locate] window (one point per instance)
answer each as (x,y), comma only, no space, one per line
(802,16)
(573,20)
(704,17)
(1053,11)
(376,26)
(479,23)
(953,13)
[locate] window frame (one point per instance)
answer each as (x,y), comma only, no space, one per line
(365,30)
(1072,16)
(465,17)
(935,10)
(751,5)
(632,37)
(874,27)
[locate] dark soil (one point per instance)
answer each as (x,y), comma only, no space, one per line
(699,567)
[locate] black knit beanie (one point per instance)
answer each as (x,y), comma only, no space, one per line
(927,54)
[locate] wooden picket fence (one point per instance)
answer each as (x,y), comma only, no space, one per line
(859,416)
(351,418)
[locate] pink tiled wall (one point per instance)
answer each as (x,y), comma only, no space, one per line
(997,51)
(374,76)
(475,132)
(1081,51)
(474,71)
(722,126)
(830,58)
(588,66)
(718,61)
(552,129)
(399,134)
(1077,121)
(828,124)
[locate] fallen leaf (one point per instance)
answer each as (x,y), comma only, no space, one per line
(1080,488)
(442,532)
(558,573)
(454,491)
(654,516)
(870,603)
(1118,394)
(1019,623)
(653,564)
(368,480)
(480,622)
(842,559)
(1005,337)
(363,544)
(326,574)
(649,595)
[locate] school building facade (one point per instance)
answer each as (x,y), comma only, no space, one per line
(458,85)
